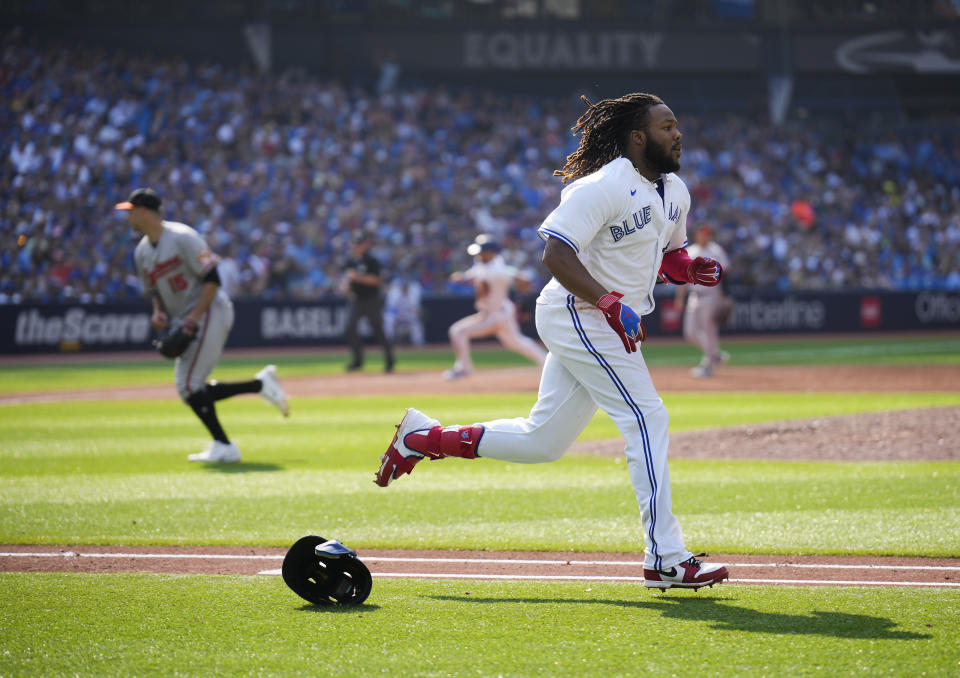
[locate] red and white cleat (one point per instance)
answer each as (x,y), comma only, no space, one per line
(400,459)
(690,574)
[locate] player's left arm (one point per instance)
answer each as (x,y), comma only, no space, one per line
(677,266)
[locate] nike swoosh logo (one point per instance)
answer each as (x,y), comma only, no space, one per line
(633,192)
(672,572)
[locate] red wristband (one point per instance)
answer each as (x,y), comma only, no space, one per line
(675,265)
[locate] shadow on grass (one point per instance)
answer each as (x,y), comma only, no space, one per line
(732,618)
(347,609)
(243,467)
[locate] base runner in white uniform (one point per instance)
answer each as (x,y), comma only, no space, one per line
(496,314)
(179,273)
(700,306)
(620,225)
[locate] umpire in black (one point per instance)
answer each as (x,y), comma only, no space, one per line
(366,300)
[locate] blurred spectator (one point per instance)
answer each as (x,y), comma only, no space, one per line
(402,310)
(277,170)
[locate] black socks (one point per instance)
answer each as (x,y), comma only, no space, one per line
(218,391)
(201,403)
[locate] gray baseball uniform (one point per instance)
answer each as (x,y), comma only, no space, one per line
(699,315)
(173,270)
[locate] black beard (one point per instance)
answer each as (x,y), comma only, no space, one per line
(659,158)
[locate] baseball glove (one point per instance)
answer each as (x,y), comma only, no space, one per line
(174,343)
(724,310)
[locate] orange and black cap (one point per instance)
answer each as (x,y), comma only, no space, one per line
(142,197)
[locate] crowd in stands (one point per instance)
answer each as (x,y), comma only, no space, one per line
(277,171)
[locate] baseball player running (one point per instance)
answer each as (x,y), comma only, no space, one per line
(179,272)
(619,225)
(496,315)
(700,305)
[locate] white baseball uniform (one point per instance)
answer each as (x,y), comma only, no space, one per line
(402,307)
(620,227)
(699,313)
(496,315)
(173,269)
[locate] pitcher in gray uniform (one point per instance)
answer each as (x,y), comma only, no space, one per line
(179,273)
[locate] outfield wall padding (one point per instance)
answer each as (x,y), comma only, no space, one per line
(58,328)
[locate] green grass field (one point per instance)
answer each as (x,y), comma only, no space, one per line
(120,371)
(106,472)
(136,625)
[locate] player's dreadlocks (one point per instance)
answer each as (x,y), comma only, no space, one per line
(604,130)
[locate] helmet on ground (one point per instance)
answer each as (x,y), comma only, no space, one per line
(326,572)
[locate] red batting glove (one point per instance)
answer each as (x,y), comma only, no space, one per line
(704,271)
(623,320)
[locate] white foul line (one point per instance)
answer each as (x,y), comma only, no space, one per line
(500,561)
(852,582)
(639,563)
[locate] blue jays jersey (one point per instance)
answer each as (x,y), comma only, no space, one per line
(620,224)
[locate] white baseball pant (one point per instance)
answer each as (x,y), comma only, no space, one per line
(502,324)
(587,367)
